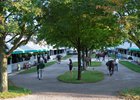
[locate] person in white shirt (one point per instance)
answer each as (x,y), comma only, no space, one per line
(41,60)
(116,64)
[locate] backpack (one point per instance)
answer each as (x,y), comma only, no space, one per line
(41,65)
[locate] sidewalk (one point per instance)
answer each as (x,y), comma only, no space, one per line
(51,89)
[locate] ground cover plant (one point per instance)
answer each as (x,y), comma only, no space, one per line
(93,64)
(14,91)
(131,66)
(131,94)
(87,77)
(33,69)
(66,57)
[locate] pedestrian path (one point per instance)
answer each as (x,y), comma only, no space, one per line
(49,88)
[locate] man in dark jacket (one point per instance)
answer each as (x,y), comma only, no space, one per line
(40,67)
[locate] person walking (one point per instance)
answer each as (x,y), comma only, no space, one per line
(70,67)
(48,57)
(58,57)
(38,74)
(116,64)
(40,67)
(18,67)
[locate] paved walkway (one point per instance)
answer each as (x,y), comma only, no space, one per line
(51,89)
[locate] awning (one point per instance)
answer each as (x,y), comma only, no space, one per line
(37,47)
(28,49)
(134,49)
(18,51)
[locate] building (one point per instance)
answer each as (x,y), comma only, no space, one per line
(129,50)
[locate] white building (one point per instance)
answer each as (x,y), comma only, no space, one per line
(129,50)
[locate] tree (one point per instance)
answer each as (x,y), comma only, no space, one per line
(128,12)
(18,19)
(78,24)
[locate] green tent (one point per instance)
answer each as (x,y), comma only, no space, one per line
(18,51)
(134,49)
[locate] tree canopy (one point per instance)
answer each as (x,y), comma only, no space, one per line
(79,24)
(68,21)
(128,13)
(19,20)
(90,24)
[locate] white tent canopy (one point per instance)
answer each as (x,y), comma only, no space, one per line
(29,47)
(127,45)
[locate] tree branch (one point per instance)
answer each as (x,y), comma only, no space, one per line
(25,41)
(11,38)
(134,39)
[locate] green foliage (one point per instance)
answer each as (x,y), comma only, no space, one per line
(69,21)
(128,12)
(87,77)
(14,92)
(93,64)
(33,69)
(79,24)
(131,94)
(19,13)
(18,19)
(131,66)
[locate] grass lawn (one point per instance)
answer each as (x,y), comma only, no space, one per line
(87,77)
(33,69)
(131,94)
(131,66)
(93,64)
(66,57)
(14,91)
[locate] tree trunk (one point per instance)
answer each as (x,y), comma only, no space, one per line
(3,68)
(79,65)
(134,38)
(83,60)
(137,43)
(79,61)
(86,52)
(3,58)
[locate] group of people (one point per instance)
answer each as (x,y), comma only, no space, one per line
(88,61)
(43,58)
(112,65)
